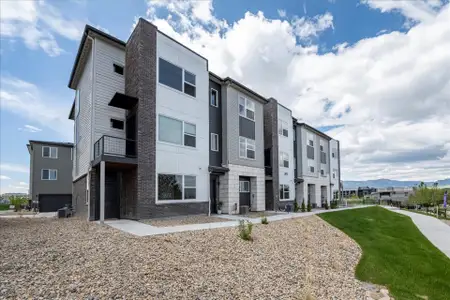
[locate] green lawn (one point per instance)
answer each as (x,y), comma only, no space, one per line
(4,206)
(395,253)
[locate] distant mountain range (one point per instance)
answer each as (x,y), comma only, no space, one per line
(383,183)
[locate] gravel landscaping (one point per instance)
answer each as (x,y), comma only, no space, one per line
(73,259)
(184,220)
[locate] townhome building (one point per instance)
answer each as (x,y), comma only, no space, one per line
(317,165)
(237,147)
(279,156)
(50,186)
(157,134)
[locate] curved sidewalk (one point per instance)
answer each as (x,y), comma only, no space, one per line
(433,229)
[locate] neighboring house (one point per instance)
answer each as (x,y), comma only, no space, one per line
(50,174)
(318,165)
(237,132)
(394,194)
(280,163)
(157,134)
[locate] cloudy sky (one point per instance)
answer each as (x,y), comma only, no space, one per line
(374,74)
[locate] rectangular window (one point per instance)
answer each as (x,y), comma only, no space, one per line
(244,186)
(284,159)
(49,152)
(246,148)
(118,69)
(170,75)
(170,187)
(189,134)
(332,154)
(309,152)
(284,192)
(311,165)
(334,174)
(214,142)
(322,172)
(246,108)
(190,190)
(323,158)
(214,98)
(311,169)
(170,130)
(117,124)
(189,83)
(283,128)
(49,174)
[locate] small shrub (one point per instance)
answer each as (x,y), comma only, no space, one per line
(264,220)
(308,207)
(326,205)
(303,206)
(245,230)
(296,208)
(333,204)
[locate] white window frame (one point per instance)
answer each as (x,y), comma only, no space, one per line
(283,125)
(214,146)
(182,189)
(311,163)
(247,106)
(248,146)
(217,98)
(322,172)
(193,85)
(242,186)
(283,188)
(49,176)
(183,81)
(50,152)
(283,158)
(182,132)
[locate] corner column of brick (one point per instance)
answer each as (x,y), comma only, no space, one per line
(140,82)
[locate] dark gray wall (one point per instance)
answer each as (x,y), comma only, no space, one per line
(63,184)
(271,143)
(215,125)
(79,197)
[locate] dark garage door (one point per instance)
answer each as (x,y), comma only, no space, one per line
(49,203)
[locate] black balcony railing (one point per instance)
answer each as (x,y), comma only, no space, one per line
(114,146)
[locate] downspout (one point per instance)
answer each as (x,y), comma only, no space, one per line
(209,194)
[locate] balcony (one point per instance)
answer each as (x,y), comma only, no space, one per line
(114,149)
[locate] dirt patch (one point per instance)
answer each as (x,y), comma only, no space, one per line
(72,259)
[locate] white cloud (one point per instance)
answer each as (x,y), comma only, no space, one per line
(30,128)
(27,100)
(4,177)
(23,184)
(7,167)
(282,13)
(414,11)
(390,92)
(36,23)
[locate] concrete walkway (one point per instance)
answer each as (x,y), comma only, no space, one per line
(433,229)
(12,215)
(141,229)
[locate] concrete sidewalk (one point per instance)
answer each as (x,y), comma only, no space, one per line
(141,229)
(433,229)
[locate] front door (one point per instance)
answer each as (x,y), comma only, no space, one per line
(244,191)
(213,193)
(111,195)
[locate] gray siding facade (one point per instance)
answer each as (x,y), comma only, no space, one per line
(215,125)
(63,165)
(232,123)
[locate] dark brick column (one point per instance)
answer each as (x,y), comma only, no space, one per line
(140,82)
(271,142)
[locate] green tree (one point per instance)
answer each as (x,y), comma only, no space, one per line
(18,201)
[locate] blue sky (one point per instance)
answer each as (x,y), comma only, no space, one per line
(348,52)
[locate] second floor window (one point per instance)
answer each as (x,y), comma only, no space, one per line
(214,142)
(177,78)
(49,174)
(214,98)
(246,148)
(49,152)
(284,159)
(246,108)
(176,132)
(283,129)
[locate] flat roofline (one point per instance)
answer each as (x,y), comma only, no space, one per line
(63,144)
(250,91)
(317,131)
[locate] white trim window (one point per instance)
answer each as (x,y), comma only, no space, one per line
(284,159)
(176,187)
(247,148)
(284,192)
(214,142)
(49,152)
(246,108)
(49,174)
(214,98)
(177,132)
(176,77)
(334,174)
(244,186)
(283,128)
(311,166)
(322,172)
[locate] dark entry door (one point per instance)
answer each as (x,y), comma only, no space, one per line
(51,203)
(111,195)
(131,136)
(213,194)
(244,191)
